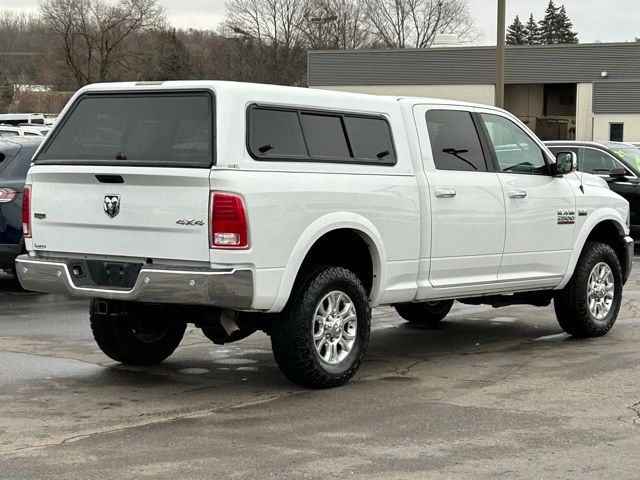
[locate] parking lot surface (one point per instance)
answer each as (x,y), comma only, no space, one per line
(491,393)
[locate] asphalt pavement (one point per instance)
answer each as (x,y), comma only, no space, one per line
(491,393)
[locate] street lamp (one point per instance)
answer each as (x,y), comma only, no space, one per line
(499,95)
(240,31)
(331,18)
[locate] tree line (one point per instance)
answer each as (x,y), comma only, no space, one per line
(71,43)
(554,28)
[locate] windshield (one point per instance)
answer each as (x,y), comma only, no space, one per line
(170,129)
(629,155)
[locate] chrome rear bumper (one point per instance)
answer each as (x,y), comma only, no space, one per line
(229,288)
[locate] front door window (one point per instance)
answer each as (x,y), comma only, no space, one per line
(515,150)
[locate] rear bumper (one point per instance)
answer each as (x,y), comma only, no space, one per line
(629,244)
(228,288)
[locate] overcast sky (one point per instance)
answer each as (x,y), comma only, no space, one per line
(607,21)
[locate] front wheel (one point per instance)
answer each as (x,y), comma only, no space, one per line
(138,336)
(588,306)
(320,338)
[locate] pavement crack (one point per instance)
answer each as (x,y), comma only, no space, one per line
(404,371)
(635,408)
(192,414)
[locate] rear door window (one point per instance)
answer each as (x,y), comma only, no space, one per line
(455,143)
(139,129)
(20,164)
(7,156)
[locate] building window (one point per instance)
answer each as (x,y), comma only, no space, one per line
(616,132)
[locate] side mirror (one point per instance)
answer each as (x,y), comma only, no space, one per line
(618,174)
(566,162)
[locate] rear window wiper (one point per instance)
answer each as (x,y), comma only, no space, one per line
(119,156)
(265,148)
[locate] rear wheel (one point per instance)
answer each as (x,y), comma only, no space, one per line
(425,313)
(139,336)
(588,306)
(321,337)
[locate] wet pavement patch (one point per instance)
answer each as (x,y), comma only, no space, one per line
(18,367)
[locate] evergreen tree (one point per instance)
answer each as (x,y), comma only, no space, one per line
(564,28)
(174,60)
(516,33)
(531,32)
(548,25)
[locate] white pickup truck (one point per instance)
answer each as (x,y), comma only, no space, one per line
(238,207)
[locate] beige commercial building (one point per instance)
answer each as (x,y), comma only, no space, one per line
(583,92)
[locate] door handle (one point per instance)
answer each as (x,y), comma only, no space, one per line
(517,194)
(445,193)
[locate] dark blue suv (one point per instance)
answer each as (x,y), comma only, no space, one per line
(15,158)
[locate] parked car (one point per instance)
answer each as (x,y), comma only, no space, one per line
(18,118)
(15,158)
(618,163)
(238,207)
(11,131)
(36,129)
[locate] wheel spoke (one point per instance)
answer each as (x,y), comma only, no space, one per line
(600,290)
(334,327)
(319,322)
(344,344)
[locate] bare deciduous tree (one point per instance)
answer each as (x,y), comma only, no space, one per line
(93,33)
(267,39)
(336,24)
(415,23)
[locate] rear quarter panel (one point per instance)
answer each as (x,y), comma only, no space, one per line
(291,204)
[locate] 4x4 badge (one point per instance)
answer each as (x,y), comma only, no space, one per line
(112,205)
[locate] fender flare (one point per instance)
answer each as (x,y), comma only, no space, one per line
(598,217)
(319,228)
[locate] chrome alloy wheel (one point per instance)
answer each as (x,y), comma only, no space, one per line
(600,291)
(334,327)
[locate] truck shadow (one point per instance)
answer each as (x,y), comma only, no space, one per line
(392,348)
(9,284)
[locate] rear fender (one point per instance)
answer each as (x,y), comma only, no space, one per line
(322,226)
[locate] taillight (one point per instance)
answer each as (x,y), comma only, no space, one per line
(7,195)
(228,221)
(26,211)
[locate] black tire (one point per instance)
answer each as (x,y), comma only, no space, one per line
(141,336)
(425,313)
(572,303)
(292,331)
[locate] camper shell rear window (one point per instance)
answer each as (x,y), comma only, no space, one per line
(172,129)
(295,134)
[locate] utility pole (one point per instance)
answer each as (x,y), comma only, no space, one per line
(499,96)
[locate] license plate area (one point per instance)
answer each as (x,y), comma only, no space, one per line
(113,275)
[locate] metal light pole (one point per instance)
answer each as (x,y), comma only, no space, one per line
(500,54)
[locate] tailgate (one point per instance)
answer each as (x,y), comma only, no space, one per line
(143,212)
